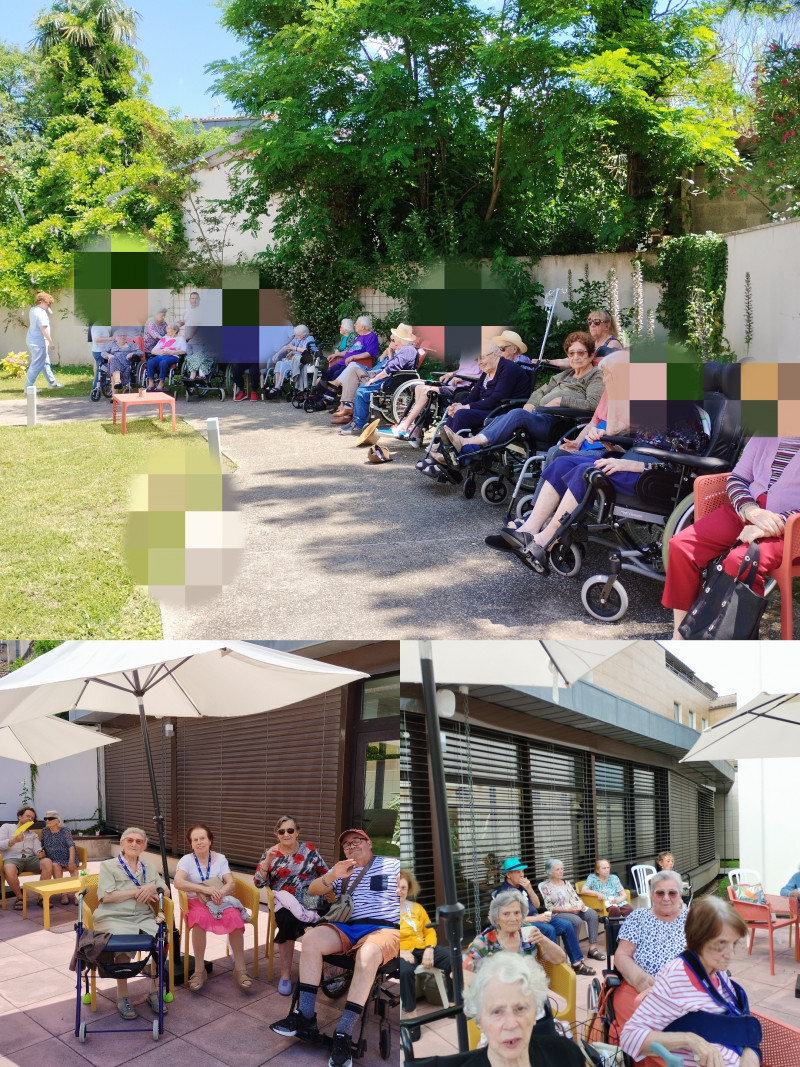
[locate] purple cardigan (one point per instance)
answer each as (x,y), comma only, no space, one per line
(755,467)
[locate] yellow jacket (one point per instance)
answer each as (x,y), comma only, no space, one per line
(413,932)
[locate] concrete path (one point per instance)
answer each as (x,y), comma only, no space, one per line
(336,547)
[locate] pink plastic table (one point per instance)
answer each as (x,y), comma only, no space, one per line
(126,400)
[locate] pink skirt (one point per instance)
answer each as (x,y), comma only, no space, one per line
(199,915)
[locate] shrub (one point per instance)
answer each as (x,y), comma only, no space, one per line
(14,365)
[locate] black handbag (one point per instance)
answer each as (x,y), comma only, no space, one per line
(727,608)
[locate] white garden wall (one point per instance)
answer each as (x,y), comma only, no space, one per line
(68,785)
(768,840)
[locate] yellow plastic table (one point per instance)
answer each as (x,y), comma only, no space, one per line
(46,890)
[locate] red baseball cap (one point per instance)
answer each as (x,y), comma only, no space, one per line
(360,833)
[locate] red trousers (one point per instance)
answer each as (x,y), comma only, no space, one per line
(694,547)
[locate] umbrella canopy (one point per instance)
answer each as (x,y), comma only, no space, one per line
(48,739)
(163,678)
(767,726)
(176,678)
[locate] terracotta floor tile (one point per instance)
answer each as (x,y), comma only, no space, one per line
(19,1031)
(39,985)
(46,1054)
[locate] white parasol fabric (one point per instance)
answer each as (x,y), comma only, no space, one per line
(47,739)
(766,727)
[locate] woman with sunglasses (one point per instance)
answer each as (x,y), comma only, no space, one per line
(604,331)
(648,939)
(59,847)
(288,867)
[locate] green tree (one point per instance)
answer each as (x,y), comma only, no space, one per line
(775,166)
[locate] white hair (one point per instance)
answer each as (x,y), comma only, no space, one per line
(508,968)
(302,330)
(676,878)
(502,900)
(132,830)
(550,864)
(348,324)
(365,320)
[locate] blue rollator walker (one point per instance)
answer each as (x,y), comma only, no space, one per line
(151,948)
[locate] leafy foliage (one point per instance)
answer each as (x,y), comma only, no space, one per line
(692,271)
(775,170)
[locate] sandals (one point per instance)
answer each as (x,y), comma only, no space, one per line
(527,549)
(152,1002)
(581,968)
(65,899)
(198,980)
(126,1009)
(242,979)
(18,904)
(595,954)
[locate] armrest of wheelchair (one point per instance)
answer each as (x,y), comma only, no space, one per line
(512,404)
(613,980)
(577,414)
(623,440)
(702,464)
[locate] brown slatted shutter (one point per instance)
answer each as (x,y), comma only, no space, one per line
(129,800)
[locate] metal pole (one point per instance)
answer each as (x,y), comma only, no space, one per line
(158,818)
(451,911)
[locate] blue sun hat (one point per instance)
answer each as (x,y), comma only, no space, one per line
(514,863)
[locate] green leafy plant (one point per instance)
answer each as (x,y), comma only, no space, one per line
(692,271)
(748,312)
(14,365)
(775,145)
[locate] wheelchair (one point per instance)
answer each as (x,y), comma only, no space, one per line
(148,947)
(214,382)
(636,527)
(103,387)
(337,973)
(518,460)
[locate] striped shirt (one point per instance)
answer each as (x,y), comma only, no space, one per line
(375,897)
(739,490)
(676,992)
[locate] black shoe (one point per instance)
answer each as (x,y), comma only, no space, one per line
(297,1025)
(341,1051)
(525,547)
(497,541)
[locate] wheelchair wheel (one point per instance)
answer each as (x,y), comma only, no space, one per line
(567,560)
(681,517)
(309,405)
(107,389)
(385,1043)
(403,398)
(82,1033)
(494,490)
(95,393)
(335,982)
(609,610)
(524,506)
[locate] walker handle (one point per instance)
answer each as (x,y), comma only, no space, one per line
(670,1058)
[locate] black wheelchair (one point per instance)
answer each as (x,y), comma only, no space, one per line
(337,973)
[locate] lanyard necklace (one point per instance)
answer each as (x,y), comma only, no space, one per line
(200,869)
(132,877)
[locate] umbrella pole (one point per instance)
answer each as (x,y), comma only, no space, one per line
(451,911)
(158,818)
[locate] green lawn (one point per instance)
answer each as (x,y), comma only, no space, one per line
(64,496)
(77,381)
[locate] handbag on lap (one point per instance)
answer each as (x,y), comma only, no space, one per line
(727,608)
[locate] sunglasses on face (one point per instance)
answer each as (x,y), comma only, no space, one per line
(596,322)
(292,831)
(50,818)
(666,893)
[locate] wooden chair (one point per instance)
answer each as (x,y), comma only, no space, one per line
(709,493)
(90,903)
(595,902)
(760,916)
(247,894)
(80,856)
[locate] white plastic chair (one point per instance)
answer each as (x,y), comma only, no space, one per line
(642,873)
(744,876)
(438,976)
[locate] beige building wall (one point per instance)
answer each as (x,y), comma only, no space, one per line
(771,255)
(641,673)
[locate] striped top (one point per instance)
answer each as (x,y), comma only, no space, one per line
(375,896)
(738,487)
(676,992)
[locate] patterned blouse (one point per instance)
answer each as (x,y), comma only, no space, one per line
(656,942)
(57,845)
(488,942)
(153,332)
(289,872)
(610,889)
(559,896)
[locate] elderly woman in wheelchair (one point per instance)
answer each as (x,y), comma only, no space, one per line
(569,487)
(763,490)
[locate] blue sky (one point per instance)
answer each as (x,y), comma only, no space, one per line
(178,37)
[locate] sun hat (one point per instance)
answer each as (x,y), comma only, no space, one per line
(403,332)
(369,435)
(514,863)
(513,338)
(379,454)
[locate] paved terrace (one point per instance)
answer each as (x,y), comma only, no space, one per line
(221,1026)
(771,995)
(336,546)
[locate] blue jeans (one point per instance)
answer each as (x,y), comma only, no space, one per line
(500,429)
(161,364)
(558,927)
(361,402)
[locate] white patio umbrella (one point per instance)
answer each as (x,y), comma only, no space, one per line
(48,739)
(767,726)
(163,679)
